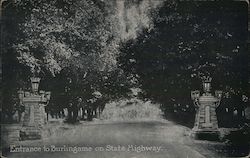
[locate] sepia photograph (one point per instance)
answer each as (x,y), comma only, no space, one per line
(125,78)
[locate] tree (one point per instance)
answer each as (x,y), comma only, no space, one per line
(72,34)
(190,40)
(57,39)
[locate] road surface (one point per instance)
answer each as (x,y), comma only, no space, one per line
(147,139)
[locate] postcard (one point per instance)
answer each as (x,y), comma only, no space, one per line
(125,79)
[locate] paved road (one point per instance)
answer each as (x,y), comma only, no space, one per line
(150,139)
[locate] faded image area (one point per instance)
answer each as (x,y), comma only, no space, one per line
(125,79)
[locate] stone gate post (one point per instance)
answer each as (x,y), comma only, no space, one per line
(206,124)
(34,115)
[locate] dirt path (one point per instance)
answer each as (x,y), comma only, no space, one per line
(148,139)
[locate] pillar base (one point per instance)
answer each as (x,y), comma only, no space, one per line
(203,134)
(30,133)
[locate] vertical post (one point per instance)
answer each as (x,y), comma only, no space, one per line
(207,114)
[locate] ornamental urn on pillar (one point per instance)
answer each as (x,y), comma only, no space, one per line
(34,114)
(206,124)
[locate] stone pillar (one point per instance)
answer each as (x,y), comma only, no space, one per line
(206,124)
(34,116)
